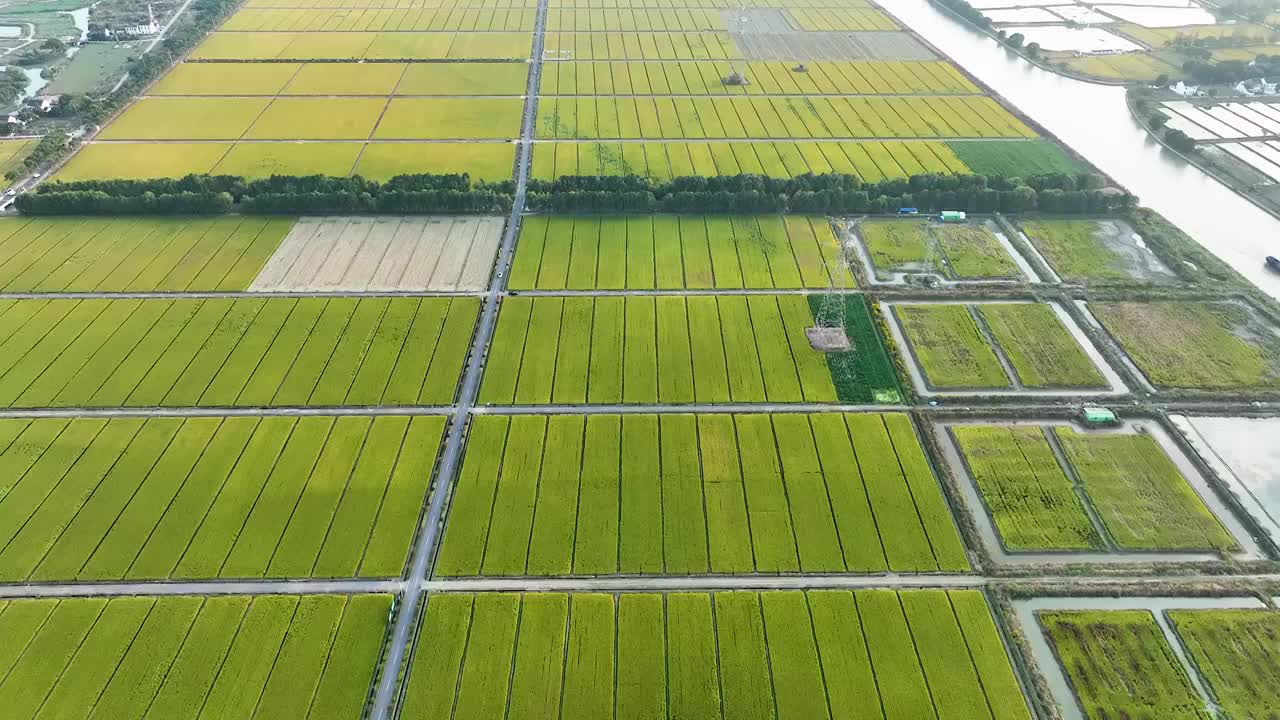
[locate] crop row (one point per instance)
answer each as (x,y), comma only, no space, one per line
(365,46)
(375,160)
(1237,652)
(668,349)
(766,78)
(566,118)
(183,658)
(1140,495)
(316,118)
(1030,498)
(93,499)
(327,78)
(676,252)
(685,494)
(232,352)
(639,46)
(872,161)
(1190,344)
(741,655)
(697,19)
(375,20)
(1120,665)
(134,254)
(1041,350)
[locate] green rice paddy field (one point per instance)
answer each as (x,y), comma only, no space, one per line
(1130,483)
(208,497)
(232,351)
(668,349)
(188,657)
(677,252)
(77,254)
(1120,663)
(822,654)
(690,495)
(956,345)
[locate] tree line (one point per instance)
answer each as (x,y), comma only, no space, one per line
(456,193)
(830,193)
(279,194)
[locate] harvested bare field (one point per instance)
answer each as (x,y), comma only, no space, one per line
(386,253)
(830,46)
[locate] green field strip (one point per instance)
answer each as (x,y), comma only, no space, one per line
(90,669)
(842,650)
(891,499)
(640,535)
(138,675)
(684,523)
(223,351)
(1004,696)
(507,545)
(850,506)
(486,666)
(554,268)
(573,359)
(640,352)
(605,368)
(782,381)
(798,682)
(640,254)
(642,658)
(724,253)
(696,251)
(944,656)
(228,352)
(772,529)
(1119,662)
(614,243)
(537,680)
(138,254)
(590,658)
(431,681)
(528,255)
(303,651)
(1054,359)
(1234,652)
(1032,502)
(746,377)
(1140,495)
(745,678)
(749,239)
(865,373)
(536,375)
(675,376)
(471,504)
(817,541)
(729,531)
(930,503)
(36,673)
(710,369)
(765,655)
(596,546)
(198,663)
(950,348)
(899,678)
(555,515)
(210,497)
(693,688)
(731,492)
(584,256)
(668,260)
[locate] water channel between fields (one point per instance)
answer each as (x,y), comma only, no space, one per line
(1095,122)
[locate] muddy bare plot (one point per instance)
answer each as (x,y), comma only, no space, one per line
(362,254)
(830,46)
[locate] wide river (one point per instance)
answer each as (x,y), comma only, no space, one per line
(1095,122)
